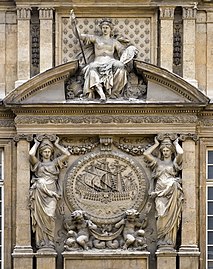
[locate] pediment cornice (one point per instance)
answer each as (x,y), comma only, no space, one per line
(171,81)
(39,90)
(40,82)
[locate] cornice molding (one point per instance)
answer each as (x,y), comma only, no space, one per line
(172,81)
(92,110)
(39,82)
(159,76)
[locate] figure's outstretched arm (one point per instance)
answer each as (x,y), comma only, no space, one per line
(73,24)
(148,153)
(32,152)
(179,150)
(63,150)
(76,33)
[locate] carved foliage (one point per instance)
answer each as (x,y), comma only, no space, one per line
(84,146)
(105,119)
(35,42)
(177,42)
(134,147)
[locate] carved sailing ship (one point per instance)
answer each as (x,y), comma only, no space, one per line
(101,181)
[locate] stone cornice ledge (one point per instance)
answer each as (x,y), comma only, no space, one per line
(172,81)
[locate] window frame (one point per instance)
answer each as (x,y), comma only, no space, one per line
(8,199)
(207,228)
(209,184)
(208,165)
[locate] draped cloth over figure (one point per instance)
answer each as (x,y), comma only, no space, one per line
(105,74)
(168,201)
(105,69)
(44,194)
(165,188)
(45,190)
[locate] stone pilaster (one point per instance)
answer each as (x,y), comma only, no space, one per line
(201,45)
(166,37)
(209,65)
(166,259)
(23,253)
(2,52)
(189,16)
(11,51)
(46,260)
(46,38)
(189,252)
(23,42)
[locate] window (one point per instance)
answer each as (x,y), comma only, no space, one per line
(209,209)
(210,165)
(1,210)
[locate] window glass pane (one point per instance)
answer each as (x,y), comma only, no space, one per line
(210,208)
(210,253)
(210,157)
(210,223)
(210,172)
(1,208)
(210,265)
(210,237)
(210,193)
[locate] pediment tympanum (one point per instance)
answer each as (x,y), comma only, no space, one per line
(158,86)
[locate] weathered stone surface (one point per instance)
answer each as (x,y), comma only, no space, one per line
(113,260)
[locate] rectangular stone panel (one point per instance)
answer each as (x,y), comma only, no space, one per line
(106,260)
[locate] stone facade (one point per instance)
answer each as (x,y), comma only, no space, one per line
(102,208)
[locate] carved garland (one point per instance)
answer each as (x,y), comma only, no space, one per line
(135,150)
(7,123)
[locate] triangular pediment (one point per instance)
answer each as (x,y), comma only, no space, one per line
(162,87)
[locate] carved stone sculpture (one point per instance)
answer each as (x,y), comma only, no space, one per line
(45,190)
(78,234)
(133,234)
(104,74)
(83,234)
(105,185)
(166,189)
